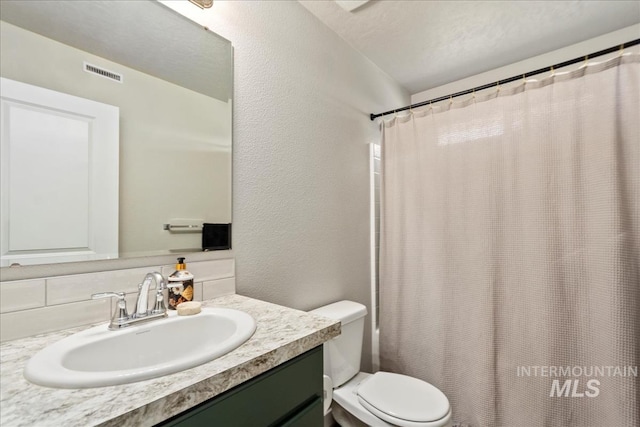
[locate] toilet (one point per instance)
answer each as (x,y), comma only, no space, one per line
(378,400)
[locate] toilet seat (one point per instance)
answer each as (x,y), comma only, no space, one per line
(402,400)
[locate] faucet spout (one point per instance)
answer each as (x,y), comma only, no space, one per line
(142,305)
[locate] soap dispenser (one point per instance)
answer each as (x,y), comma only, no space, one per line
(180,284)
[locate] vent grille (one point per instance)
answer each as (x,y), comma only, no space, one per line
(99,71)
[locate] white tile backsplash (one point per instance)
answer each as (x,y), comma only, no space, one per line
(218,288)
(80,287)
(22,295)
(206,270)
(30,307)
(24,323)
(197,291)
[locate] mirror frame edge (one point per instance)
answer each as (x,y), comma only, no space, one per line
(42,271)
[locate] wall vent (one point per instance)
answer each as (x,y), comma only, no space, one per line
(99,71)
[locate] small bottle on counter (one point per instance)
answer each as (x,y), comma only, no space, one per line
(180,285)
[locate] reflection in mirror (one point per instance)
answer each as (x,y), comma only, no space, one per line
(167,81)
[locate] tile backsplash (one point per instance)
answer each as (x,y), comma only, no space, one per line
(35,306)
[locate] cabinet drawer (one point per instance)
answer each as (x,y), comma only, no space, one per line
(274,398)
(310,416)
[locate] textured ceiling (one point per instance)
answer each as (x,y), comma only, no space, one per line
(425,44)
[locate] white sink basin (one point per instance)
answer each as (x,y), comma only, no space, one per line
(98,357)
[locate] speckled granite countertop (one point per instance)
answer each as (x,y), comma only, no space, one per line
(282,334)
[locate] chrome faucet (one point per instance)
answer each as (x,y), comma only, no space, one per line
(122,319)
(142,304)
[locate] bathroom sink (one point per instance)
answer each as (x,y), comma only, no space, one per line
(99,357)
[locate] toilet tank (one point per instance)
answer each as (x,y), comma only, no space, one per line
(342,353)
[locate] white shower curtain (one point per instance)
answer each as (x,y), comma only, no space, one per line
(510,250)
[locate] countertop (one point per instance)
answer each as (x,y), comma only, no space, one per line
(282,333)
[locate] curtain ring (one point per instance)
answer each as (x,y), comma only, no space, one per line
(621,50)
(498,86)
(553,72)
(586,61)
(524,79)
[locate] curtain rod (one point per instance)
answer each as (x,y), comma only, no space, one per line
(512,79)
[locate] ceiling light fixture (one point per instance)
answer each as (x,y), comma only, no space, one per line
(202,4)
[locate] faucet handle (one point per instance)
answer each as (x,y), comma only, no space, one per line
(120,314)
(159,306)
(99,295)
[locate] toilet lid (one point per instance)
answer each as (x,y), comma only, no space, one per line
(394,397)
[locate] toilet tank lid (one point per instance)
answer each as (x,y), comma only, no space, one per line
(345,311)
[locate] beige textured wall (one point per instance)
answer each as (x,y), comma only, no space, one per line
(168,148)
(301,159)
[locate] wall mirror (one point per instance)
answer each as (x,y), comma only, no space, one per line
(164,82)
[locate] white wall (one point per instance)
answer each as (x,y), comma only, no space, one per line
(300,172)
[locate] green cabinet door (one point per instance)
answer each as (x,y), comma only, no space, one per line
(288,395)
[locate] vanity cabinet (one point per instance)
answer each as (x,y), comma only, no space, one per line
(287,395)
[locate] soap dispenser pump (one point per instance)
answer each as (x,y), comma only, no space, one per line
(180,284)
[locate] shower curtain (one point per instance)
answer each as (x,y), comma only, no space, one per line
(510,250)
